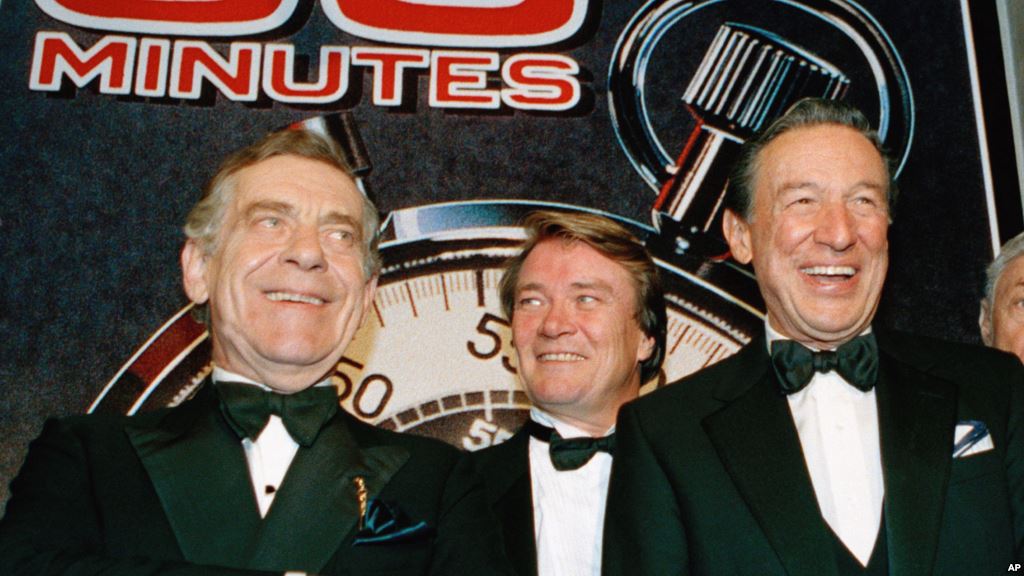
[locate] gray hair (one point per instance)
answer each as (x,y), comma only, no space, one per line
(204,221)
(805,113)
(1013,248)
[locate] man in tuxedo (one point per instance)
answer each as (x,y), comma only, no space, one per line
(1002,309)
(259,472)
(588,325)
(827,446)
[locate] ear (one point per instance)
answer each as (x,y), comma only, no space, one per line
(737,233)
(985,322)
(194,261)
(645,349)
(369,293)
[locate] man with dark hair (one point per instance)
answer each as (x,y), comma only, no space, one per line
(1002,308)
(588,325)
(259,472)
(828,446)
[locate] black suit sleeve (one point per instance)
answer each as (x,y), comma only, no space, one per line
(52,526)
(643,531)
(1015,461)
(468,536)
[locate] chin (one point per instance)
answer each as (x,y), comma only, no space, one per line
(295,355)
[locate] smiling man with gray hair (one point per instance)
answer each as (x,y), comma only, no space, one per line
(1002,308)
(260,472)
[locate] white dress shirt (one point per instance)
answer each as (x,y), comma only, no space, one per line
(838,429)
(271,454)
(568,506)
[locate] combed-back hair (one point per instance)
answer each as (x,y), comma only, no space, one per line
(805,113)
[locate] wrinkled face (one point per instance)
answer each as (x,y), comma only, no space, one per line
(285,283)
(1002,325)
(817,235)
(575,330)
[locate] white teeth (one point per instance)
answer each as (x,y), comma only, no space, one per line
(562,357)
(289,297)
(829,271)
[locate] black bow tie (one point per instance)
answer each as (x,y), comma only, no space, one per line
(247,408)
(856,361)
(569,453)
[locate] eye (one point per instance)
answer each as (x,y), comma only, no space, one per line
(343,236)
(586,299)
(269,222)
(528,302)
(800,201)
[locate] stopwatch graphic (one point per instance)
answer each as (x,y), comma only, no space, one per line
(681,121)
(688,82)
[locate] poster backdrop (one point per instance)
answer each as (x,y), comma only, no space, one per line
(470,113)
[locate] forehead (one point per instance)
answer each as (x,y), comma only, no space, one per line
(825,156)
(557,262)
(302,183)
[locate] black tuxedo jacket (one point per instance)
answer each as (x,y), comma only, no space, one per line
(169,492)
(506,472)
(709,476)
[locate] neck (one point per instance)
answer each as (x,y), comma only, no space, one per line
(284,381)
(827,342)
(594,427)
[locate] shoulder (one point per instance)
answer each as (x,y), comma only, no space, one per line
(958,362)
(517,444)
(505,458)
(699,392)
(102,426)
(418,447)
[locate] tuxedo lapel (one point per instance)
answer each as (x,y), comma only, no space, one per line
(917,416)
(509,474)
(316,508)
(198,468)
(757,442)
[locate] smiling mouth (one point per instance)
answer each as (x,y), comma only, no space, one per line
(561,357)
(290,297)
(830,272)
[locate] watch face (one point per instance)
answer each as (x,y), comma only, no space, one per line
(434,354)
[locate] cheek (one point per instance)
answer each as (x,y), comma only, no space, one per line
(239,262)
(875,235)
(788,233)
(523,328)
(1010,328)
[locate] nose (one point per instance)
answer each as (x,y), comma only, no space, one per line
(304,249)
(836,227)
(558,321)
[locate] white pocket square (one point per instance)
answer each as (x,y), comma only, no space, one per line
(971,437)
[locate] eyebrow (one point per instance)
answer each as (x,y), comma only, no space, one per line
(269,206)
(599,285)
(808,185)
(278,207)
